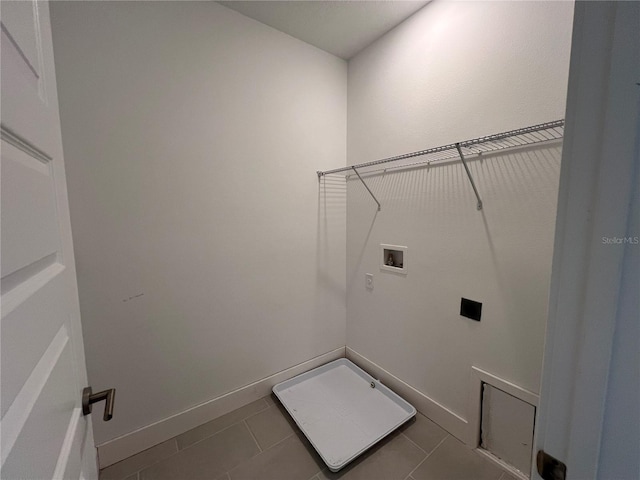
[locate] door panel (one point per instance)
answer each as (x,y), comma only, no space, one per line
(21,27)
(24,326)
(43,432)
(30,224)
(25,68)
(45,404)
(24,79)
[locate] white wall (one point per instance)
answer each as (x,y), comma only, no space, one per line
(455,71)
(206,258)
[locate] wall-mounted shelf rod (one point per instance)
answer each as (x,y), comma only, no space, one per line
(368,189)
(473,184)
(491,143)
(520,137)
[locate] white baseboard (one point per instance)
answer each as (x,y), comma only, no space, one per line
(451,422)
(467,431)
(122,447)
(514,472)
(135,442)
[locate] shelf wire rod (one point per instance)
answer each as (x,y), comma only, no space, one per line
(474,150)
(513,133)
(538,136)
(367,187)
(520,134)
(390,159)
(464,162)
(532,137)
(412,164)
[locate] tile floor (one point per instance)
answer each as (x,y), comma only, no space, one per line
(260,441)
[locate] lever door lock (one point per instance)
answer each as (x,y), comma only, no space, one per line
(89,398)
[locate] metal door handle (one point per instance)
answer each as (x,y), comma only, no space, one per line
(89,398)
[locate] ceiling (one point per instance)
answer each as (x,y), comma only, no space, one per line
(342,28)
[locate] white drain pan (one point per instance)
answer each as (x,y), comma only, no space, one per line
(340,412)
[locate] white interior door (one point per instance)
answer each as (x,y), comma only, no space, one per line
(43,432)
(591,358)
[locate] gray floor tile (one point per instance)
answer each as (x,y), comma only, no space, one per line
(393,460)
(225,449)
(133,464)
(270,426)
(455,461)
(207,459)
(424,433)
(270,399)
(287,460)
(214,426)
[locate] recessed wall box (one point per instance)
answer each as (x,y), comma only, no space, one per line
(393,258)
(470,309)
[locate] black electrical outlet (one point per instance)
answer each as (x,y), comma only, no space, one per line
(470,309)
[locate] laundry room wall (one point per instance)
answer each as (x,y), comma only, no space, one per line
(207,255)
(451,72)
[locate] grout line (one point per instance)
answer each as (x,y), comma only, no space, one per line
(144,467)
(222,429)
(507,469)
(175,441)
(266,407)
(259,412)
(428,455)
(209,436)
(265,402)
(262,451)
(178,449)
(252,435)
(278,443)
(317,475)
(415,444)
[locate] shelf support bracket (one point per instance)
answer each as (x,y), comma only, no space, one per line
(464,162)
(368,189)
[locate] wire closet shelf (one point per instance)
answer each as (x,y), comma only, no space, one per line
(520,137)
